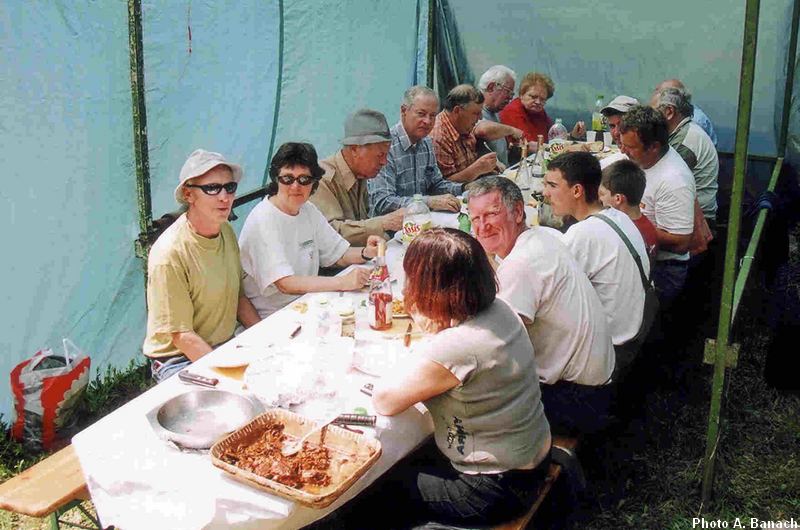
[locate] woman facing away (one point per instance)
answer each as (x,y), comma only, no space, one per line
(476,375)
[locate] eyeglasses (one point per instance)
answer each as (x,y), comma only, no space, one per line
(505,89)
(304,180)
(214,189)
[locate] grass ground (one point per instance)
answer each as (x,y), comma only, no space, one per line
(649,475)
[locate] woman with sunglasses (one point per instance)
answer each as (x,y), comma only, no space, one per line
(286,239)
(476,374)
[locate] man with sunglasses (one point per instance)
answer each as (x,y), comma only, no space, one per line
(194,280)
(342,192)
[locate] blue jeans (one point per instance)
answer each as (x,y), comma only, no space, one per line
(577,409)
(669,277)
(166,368)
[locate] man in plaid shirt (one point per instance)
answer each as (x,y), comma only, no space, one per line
(456,132)
(411,164)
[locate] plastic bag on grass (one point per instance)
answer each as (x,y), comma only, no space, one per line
(47,389)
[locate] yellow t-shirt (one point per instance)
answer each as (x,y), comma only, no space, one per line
(193,284)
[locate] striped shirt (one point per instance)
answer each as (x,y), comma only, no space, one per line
(410,168)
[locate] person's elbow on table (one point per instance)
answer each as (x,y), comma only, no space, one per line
(385,404)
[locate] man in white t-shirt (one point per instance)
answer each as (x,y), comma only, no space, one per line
(668,199)
(694,146)
(571,185)
(563,315)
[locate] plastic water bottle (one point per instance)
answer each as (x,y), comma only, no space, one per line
(416,219)
(557,133)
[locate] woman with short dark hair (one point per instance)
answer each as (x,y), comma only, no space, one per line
(476,374)
(286,239)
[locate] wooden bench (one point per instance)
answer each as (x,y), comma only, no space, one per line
(521,522)
(50,488)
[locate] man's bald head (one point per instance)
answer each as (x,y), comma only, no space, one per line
(670,83)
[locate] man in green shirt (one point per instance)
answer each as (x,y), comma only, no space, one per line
(194,273)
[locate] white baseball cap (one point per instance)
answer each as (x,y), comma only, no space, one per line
(200,162)
(620,104)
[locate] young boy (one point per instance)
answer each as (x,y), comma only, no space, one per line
(622,188)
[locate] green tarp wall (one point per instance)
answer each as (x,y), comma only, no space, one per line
(68,199)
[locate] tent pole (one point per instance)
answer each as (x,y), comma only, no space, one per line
(279,83)
(140,148)
(722,346)
(788,87)
(431,43)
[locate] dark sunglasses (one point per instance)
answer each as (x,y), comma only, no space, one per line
(288,180)
(214,189)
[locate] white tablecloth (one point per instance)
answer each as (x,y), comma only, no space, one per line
(137,480)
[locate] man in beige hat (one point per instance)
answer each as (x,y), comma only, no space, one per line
(342,192)
(194,274)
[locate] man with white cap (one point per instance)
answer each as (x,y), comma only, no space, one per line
(342,192)
(194,275)
(614,111)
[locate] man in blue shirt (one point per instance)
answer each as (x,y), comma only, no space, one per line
(411,164)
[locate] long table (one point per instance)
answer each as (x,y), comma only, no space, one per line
(137,480)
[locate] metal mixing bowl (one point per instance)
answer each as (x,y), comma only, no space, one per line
(199,418)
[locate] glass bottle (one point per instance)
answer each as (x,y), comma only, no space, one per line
(597,118)
(379,305)
(539,168)
(523,178)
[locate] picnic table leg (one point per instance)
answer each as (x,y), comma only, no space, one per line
(55,522)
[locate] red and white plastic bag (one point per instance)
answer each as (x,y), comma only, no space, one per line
(47,389)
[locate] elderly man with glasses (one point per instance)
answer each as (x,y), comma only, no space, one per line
(194,276)
(342,192)
(497,86)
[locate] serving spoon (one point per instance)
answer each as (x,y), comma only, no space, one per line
(290,448)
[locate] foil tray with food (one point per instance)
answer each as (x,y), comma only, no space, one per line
(327,465)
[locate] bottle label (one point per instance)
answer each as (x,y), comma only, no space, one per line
(412,230)
(380,310)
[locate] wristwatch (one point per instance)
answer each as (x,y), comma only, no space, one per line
(362,254)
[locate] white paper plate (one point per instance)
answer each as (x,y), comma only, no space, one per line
(235,357)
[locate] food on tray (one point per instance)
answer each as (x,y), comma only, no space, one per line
(261,454)
(399,308)
(313,469)
(300,307)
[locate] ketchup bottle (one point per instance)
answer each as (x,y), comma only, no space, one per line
(380,293)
